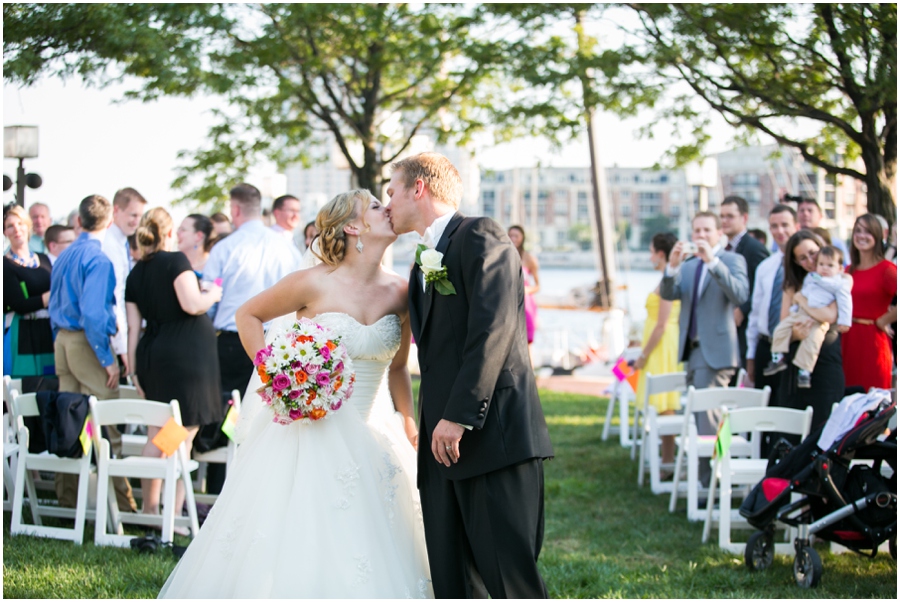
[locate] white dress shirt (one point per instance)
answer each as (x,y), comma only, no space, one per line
(704,268)
(758,320)
(115,246)
(432,236)
(249,260)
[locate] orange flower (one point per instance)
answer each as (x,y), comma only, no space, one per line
(261,370)
(301,377)
(305,338)
(312,395)
(337,384)
(331,345)
(317,413)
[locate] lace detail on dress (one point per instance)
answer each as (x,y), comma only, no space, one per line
(228,536)
(378,341)
(347,476)
(363,569)
(390,471)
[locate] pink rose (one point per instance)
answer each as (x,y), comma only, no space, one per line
(322,379)
(281,382)
(311,369)
(337,405)
(338,368)
(295,393)
(296,414)
(262,355)
(325,352)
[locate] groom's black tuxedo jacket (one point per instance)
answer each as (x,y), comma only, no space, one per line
(473,353)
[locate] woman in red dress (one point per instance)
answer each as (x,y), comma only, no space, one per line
(866,347)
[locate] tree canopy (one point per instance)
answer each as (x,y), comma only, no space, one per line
(366,77)
(770,68)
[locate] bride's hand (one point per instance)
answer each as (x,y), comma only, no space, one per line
(412,433)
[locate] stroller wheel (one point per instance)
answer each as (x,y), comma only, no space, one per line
(807,567)
(760,551)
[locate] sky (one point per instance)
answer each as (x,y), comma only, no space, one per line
(91,142)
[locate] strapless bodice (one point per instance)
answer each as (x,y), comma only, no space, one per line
(371,347)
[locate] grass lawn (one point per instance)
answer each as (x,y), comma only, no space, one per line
(604,538)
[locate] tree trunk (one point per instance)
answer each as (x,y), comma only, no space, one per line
(880,188)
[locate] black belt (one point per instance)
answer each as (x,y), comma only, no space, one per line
(693,344)
(228,332)
(763,337)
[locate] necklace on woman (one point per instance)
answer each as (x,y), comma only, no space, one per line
(29,261)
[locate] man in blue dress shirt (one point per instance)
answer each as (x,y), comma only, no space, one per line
(82,288)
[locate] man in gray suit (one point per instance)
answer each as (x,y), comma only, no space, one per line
(709,284)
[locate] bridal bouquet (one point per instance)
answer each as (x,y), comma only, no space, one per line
(306,373)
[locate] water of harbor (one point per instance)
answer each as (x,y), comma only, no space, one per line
(577,329)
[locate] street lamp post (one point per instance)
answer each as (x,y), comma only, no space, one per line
(21,142)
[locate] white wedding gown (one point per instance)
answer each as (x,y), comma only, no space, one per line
(322,510)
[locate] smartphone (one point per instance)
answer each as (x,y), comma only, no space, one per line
(688,247)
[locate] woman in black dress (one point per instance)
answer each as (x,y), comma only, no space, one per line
(827,382)
(176,357)
(28,352)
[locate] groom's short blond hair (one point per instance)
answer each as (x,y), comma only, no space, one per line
(438,173)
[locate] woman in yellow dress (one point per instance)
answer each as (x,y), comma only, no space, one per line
(660,343)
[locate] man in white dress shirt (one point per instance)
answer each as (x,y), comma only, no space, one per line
(248,261)
(766,304)
(128,207)
(286,211)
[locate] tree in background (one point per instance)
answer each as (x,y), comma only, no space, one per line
(828,71)
(366,77)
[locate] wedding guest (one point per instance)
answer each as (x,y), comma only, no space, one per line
(40,221)
(735,213)
(809,215)
(28,352)
(134,252)
(196,236)
(827,377)
(659,353)
(82,302)
(530,269)
(710,282)
(250,260)
(759,235)
(286,212)
(867,346)
(221,223)
(57,239)
(128,206)
(72,222)
(309,233)
(176,356)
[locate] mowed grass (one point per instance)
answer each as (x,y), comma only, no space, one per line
(604,538)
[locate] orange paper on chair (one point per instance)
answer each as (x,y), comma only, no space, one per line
(627,373)
(169,437)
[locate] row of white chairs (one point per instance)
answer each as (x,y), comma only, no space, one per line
(748,416)
(20,466)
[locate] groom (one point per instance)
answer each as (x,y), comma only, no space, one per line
(483,437)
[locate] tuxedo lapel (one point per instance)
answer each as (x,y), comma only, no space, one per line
(415,301)
(441,247)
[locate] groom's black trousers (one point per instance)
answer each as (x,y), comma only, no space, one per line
(484,533)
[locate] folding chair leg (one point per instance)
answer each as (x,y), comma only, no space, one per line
(642,458)
(610,408)
(653,458)
(623,420)
(189,493)
(84,480)
(707,523)
(168,512)
(101,518)
(676,477)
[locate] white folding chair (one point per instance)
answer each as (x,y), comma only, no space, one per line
(10,444)
(694,446)
(621,397)
(132,442)
(222,455)
(23,406)
(653,426)
(176,466)
(732,471)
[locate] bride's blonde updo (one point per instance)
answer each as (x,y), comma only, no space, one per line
(340,211)
(151,234)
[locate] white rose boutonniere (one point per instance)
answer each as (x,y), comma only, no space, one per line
(429,261)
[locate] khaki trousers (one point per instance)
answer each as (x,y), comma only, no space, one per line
(79,371)
(808,353)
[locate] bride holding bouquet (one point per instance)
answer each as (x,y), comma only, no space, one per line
(322,502)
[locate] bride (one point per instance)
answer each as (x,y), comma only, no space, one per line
(327,509)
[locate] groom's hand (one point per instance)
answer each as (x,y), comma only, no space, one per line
(445,442)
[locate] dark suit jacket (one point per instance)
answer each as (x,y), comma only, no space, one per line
(473,353)
(753,252)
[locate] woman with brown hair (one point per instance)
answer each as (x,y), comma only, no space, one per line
(866,347)
(175,357)
(530,269)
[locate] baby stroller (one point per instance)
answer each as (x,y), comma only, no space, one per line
(855,507)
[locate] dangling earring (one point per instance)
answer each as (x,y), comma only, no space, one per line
(359,245)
